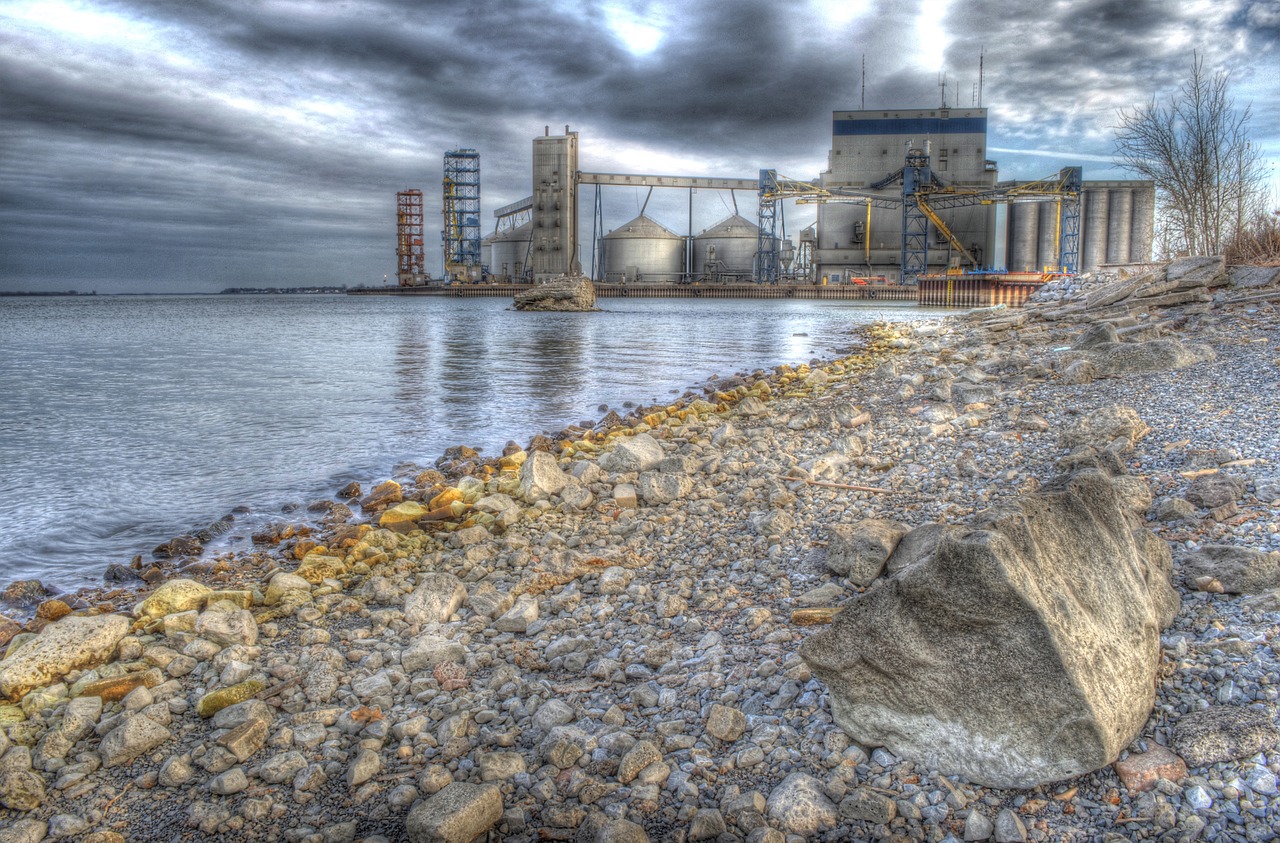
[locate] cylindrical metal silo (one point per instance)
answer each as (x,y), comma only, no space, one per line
(726,248)
(1049,242)
(1094,227)
(486,251)
(1120,214)
(510,259)
(1024,233)
(643,250)
(1142,230)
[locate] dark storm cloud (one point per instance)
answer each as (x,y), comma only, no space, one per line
(150,144)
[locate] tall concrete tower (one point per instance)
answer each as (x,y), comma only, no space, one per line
(555,205)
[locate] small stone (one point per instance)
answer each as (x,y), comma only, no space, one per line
(232,781)
(625,496)
(1009,827)
(725,723)
(799,805)
(457,814)
(176,771)
(500,766)
(283,767)
(866,804)
(137,735)
(621,831)
(1141,770)
(1198,798)
(1223,733)
(426,651)
(366,765)
(67,826)
(228,628)
(707,824)
(636,759)
(977,826)
(214,701)
(859,551)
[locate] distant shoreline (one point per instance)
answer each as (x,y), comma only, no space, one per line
(229,291)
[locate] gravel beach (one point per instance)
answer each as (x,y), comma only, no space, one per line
(596,636)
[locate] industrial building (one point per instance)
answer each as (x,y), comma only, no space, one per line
(1115,222)
(906,193)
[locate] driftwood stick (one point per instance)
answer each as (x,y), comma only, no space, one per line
(824,484)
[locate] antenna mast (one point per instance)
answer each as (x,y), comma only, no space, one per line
(981,56)
(864,81)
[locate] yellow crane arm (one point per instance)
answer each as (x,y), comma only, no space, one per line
(942,226)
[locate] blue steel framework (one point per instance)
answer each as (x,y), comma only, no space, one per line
(461,234)
(921,196)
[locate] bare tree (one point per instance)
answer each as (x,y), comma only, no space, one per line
(1210,179)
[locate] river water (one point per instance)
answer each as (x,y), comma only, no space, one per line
(127,420)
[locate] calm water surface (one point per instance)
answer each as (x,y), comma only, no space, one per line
(127,420)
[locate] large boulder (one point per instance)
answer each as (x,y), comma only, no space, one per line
(1021,651)
(1122,358)
(541,477)
(1240,570)
(573,293)
(436,598)
(73,643)
(633,453)
(179,595)
(1103,425)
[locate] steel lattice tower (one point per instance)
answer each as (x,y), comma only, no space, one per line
(409,250)
(915,225)
(461,235)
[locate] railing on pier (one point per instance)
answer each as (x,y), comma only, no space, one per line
(975,290)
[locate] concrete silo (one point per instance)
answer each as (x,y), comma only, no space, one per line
(726,249)
(510,259)
(643,250)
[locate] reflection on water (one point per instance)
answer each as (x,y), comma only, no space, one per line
(129,420)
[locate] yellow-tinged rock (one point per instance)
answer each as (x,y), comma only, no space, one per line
(445,498)
(174,596)
(513,461)
(287,588)
(655,419)
(317,567)
(16,643)
(241,599)
(180,622)
(10,714)
(402,513)
(458,508)
(472,488)
(116,688)
(214,701)
(303,547)
(73,643)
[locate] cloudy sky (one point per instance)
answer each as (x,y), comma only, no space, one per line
(155,145)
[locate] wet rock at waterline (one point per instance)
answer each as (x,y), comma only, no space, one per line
(569,293)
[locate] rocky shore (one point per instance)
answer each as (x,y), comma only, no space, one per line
(617,634)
